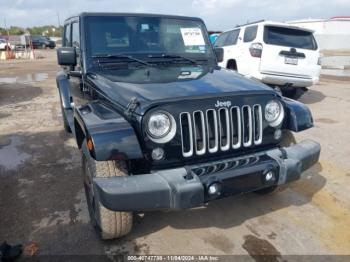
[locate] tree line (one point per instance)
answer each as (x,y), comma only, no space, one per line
(47,30)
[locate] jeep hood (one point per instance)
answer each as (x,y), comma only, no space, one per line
(152,86)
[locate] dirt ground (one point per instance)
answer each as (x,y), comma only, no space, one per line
(42,199)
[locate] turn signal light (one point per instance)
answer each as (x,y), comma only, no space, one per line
(89,144)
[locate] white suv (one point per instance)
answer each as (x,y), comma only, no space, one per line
(278,54)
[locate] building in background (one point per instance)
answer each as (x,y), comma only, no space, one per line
(330,34)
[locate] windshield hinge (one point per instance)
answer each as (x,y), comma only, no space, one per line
(131,107)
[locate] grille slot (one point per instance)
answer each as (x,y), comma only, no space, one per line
(236,130)
(220,130)
(199,132)
(186,134)
(212,129)
(247,126)
(257,115)
(224,129)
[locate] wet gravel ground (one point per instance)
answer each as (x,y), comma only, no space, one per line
(42,199)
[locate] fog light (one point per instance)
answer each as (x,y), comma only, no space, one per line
(157,153)
(270,176)
(278,134)
(214,189)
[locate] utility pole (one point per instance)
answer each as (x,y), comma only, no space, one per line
(58,19)
(7,41)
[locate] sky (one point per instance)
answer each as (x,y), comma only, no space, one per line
(217,14)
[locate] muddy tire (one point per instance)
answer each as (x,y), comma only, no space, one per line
(108,224)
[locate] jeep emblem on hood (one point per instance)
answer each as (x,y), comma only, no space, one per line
(223,103)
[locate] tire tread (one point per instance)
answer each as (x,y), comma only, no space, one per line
(112,224)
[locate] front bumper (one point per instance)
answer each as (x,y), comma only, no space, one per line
(187,187)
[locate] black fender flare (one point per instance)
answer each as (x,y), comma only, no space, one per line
(62,82)
(112,135)
(298,116)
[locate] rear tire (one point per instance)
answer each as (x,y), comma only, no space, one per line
(108,224)
(232,65)
(294,93)
(65,120)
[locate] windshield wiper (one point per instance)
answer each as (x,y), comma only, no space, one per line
(121,56)
(173,56)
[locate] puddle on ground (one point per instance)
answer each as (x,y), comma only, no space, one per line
(10,157)
(260,249)
(24,79)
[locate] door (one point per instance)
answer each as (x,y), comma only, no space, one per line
(248,64)
(289,51)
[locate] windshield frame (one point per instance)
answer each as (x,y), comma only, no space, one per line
(209,55)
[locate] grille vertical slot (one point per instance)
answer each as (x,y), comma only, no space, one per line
(257,115)
(224,129)
(247,126)
(186,134)
(212,129)
(199,132)
(236,131)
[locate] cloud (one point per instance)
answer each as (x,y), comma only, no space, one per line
(218,14)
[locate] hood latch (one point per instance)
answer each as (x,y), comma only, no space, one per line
(131,107)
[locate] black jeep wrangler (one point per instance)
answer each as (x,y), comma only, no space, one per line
(161,127)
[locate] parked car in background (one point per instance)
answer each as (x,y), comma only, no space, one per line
(5,45)
(42,42)
(278,54)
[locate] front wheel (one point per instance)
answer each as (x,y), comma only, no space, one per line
(109,224)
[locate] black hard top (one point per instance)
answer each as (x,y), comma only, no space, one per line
(85,14)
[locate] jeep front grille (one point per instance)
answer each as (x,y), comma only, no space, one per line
(220,129)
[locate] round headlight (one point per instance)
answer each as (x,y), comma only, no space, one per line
(161,127)
(274,113)
(158,125)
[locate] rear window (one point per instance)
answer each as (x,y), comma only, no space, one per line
(275,35)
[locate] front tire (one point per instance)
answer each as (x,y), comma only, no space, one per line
(109,224)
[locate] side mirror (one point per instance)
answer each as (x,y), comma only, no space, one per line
(66,56)
(219,52)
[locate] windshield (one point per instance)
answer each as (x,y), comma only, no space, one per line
(136,35)
(283,36)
